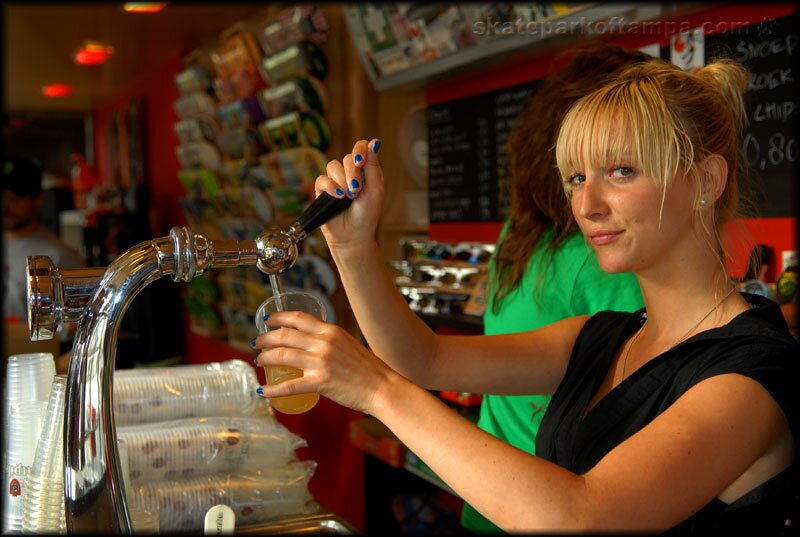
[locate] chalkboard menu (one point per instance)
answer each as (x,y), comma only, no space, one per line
(467,161)
(769,147)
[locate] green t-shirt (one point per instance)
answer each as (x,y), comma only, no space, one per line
(574,284)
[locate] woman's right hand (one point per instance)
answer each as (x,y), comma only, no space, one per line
(355,227)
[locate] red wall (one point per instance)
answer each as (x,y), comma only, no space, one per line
(161,164)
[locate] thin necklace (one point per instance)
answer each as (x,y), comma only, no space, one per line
(692,329)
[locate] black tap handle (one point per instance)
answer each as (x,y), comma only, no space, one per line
(321,210)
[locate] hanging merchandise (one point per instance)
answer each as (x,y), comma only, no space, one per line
(303,59)
(240,144)
(236,62)
(243,112)
(199,155)
(237,173)
(296,129)
(292,25)
(195,105)
(306,94)
(193,79)
(199,182)
(196,129)
(252,132)
(299,166)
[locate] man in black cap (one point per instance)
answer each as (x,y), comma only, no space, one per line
(24,235)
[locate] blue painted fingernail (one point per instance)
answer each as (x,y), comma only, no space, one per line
(354,184)
(260,391)
(339,192)
(376,146)
(253,342)
(266,318)
(255,359)
(358,158)
(351,194)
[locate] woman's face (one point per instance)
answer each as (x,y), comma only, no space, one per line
(619,211)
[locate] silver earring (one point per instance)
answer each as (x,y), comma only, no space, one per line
(703,202)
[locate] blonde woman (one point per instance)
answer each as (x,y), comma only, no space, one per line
(680,417)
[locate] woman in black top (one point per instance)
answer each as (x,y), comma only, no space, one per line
(681,417)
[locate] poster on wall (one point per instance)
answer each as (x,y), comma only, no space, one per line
(687,49)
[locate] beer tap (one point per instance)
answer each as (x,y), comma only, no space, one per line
(97,299)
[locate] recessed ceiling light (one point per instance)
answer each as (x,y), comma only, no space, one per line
(144,7)
(93,53)
(56,90)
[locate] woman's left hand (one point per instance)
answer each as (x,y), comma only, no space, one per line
(334,363)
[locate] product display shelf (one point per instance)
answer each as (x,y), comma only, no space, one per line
(577,22)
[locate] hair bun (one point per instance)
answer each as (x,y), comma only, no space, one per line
(732,80)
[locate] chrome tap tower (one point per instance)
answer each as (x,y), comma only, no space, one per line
(97,299)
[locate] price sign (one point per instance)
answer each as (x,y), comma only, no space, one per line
(467,161)
(770,145)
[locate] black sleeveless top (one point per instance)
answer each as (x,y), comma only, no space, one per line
(756,343)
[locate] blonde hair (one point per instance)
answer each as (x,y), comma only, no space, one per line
(666,121)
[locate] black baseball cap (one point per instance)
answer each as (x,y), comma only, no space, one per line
(22,176)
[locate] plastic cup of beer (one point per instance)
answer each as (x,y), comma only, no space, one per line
(289,301)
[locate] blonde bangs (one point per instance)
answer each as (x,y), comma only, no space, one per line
(608,128)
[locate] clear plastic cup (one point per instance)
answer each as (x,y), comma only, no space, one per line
(28,381)
(28,377)
(289,301)
(43,495)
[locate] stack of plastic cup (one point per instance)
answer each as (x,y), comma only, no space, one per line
(43,497)
(185,391)
(28,381)
(204,446)
(258,497)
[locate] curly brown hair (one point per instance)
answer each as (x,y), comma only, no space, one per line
(538,202)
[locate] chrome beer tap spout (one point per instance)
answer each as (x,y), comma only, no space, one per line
(277,248)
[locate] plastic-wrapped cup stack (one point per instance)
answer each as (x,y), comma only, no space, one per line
(29,378)
(185,391)
(43,497)
(205,446)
